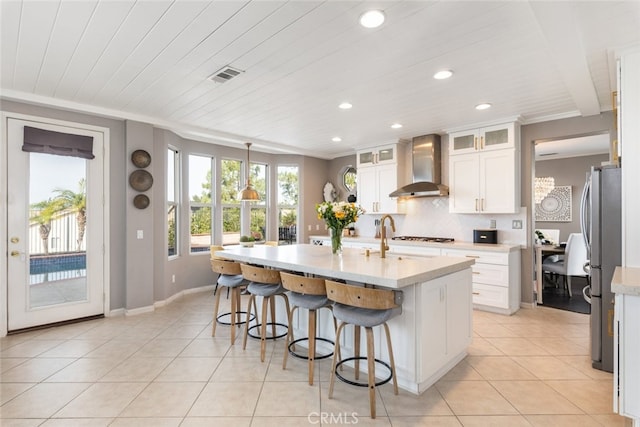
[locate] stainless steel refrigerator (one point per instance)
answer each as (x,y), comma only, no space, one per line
(600,221)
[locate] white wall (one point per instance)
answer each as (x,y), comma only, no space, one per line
(630,146)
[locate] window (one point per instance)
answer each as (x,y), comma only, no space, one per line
(201,203)
(259,209)
(230,184)
(173,185)
(287,203)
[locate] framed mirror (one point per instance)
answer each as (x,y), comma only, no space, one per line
(349,179)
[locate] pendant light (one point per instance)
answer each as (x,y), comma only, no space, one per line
(248,193)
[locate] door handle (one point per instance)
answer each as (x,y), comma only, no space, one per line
(15,240)
(15,253)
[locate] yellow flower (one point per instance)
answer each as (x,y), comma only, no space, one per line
(338,215)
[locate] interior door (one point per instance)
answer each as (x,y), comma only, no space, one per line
(55,222)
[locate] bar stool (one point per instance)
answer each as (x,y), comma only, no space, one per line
(265,283)
(309,293)
(230,276)
(212,250)
(363,307)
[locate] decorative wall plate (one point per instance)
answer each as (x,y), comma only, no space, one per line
(141,201)
(140,180)
(556,207)
(140,158)
(329,192)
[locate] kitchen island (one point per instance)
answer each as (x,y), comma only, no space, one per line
(434,330)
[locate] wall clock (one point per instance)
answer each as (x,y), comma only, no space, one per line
(330,193)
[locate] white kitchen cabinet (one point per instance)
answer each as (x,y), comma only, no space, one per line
(487,138)
(484,170)
(485,182)
(444,304)
(377,156)
(495,279)
(377,180)
(626,368)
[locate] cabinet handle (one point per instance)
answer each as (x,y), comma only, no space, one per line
(475,293)
(482,142)
(476,205)
(475,142)
(482,204)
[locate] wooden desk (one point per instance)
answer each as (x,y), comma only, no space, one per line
(541,250)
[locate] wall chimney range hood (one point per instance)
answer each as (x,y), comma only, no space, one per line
(426,170)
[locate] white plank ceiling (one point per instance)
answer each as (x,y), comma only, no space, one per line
(149,61)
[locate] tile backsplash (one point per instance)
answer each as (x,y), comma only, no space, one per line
(429,216)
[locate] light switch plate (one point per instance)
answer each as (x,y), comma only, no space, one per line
(516,224)
(140,234)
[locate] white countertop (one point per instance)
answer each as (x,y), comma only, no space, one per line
(454,245)
(392,272)
(626,280)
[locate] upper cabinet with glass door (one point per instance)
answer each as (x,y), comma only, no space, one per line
(482,139)
(377,156)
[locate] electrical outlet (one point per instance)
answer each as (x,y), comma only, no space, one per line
(139,234)
(516,224)
(317,227)
(309,227)
(492,223)
(173,278)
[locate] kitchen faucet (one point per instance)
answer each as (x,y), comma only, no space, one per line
(383,234)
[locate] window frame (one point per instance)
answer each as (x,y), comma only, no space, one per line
(211,204)
(175,203)
(281,206)
(238,204)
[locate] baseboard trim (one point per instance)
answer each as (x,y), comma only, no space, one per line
(161,303)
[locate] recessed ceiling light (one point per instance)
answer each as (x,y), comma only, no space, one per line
(483,106)
(345,105)
(443,74)
(336,139)
(372,18)
(396,126)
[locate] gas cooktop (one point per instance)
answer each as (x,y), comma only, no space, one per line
(424,239)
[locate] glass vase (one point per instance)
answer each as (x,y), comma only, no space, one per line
(336,240)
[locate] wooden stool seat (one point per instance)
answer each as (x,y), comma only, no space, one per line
(309,293)
(265,283)
(363,307)
(230,276)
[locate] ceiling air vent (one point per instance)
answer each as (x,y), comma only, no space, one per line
(225,74)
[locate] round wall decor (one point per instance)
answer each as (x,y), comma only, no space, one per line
(140,180)
(556,206)
(141,201)
(140,158)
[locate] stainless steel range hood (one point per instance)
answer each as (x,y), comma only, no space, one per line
(426,170)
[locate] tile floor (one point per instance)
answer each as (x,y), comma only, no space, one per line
(164,369)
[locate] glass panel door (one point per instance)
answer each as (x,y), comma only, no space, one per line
(55,219)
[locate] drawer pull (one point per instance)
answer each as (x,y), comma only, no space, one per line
(475,293)
(475,272)
(472,256)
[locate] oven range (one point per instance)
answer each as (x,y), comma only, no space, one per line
(424,239)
